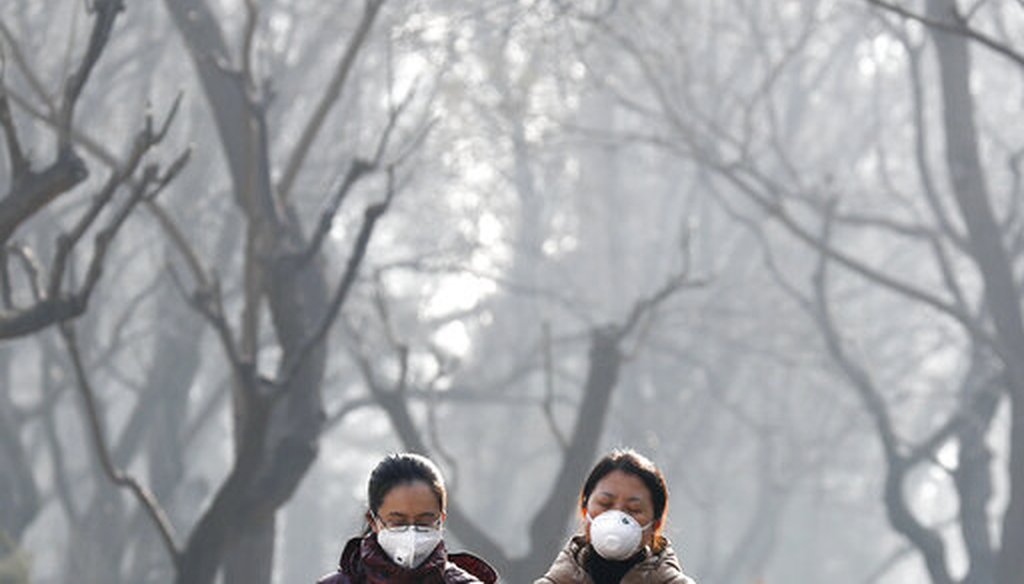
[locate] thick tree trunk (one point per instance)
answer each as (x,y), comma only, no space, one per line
(251,558)
(987,248)
(309,534)
(973,474)
(1010,562)
(276,445)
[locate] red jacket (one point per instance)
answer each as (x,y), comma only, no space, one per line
(365,562)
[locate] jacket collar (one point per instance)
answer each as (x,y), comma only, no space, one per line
(364,557)
(365,561)
(577,548)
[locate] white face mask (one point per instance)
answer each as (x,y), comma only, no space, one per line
(615,535)
(410,545)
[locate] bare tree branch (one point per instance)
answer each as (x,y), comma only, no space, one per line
(121,479)
(371,216)
(26,70)
(331,94)
(857,266)
(19,162)
(37,189)
(356,170)
(645,307)
(89,144)
(180,243)
(56,306)
(926,539)
(549,391)
(957,26)
(105,12)
(31,191)
(140,190)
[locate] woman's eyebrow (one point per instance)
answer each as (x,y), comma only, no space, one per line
(397,514)
(428,514)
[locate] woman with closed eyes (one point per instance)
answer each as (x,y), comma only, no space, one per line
(623,505)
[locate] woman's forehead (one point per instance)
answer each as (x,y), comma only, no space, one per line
(412,498)
(621,484)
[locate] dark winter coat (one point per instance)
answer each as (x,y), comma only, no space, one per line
(364,562)
(656,568)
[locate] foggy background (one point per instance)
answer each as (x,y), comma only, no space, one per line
(251,246)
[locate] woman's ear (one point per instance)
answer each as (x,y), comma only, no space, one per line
(652,538)
(371,523)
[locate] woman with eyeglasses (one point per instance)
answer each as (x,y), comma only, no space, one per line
(623,505)
(403,540)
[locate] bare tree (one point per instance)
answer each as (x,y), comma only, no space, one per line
(753,143)
(765,188)
(278,418)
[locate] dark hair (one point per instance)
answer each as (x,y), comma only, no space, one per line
(403,468)
(631,462)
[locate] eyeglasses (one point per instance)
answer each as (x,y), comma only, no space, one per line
(400,525)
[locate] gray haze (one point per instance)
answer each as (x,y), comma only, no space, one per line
(251,246)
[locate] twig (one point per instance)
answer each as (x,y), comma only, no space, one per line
(144,141)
